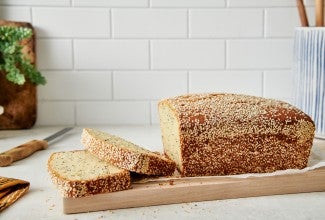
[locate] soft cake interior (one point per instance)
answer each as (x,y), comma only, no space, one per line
(81,165)
(169,126)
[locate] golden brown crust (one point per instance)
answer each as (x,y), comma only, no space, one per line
(222,134)
(139,162)
(80,188)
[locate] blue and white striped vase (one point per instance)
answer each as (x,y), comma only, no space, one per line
(309,74)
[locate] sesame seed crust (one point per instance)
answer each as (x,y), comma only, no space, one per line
(223,134)
(135,158)
(80,187)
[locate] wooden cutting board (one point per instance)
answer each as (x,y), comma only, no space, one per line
(180,190)
(19,103)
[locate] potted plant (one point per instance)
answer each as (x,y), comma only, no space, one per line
(18,75)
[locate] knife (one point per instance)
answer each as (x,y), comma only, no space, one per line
(28,148)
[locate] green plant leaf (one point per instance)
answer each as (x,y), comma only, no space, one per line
(15,76)
(32,74)
(14,34)
(12,60)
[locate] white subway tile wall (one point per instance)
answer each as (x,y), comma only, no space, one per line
(278,84)
(36,2)
(110,3)
(113,112)
(241,82)
(56,112)
(281,22)
(111,61)
(187,3)
(111,54)
(188,54)
(73,86)
(15,13)
(259,54)
(226,23)
(149,84)
(54,54)
(149,23)
(71,22)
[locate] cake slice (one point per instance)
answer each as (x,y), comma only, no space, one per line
(79,173)
(125,154)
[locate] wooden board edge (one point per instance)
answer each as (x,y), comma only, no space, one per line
(216,188)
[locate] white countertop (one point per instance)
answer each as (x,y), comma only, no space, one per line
(43,201)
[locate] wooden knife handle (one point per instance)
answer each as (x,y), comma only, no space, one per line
(21,152)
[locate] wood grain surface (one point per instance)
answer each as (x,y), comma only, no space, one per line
(19,102)
(198,189)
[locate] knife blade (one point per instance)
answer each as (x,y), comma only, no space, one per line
(57,134)
(28,148)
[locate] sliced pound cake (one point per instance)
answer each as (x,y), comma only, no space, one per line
(125,154)
(79,173)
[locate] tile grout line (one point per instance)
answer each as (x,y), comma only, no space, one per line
(149,55)
(171,70)
(188,24)
(226,64)
(264,23)
(72,54)
(75,112)
(263,84)
(110,23)
(188,82)
(169,38)
(31,14)
(263,37)
(150,112)
(112,85)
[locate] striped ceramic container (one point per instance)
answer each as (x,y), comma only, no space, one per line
(309,74)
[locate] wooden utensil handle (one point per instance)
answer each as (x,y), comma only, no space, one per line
(21,152)
(319,13)
(302,13)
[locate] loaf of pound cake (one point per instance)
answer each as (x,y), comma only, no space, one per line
(225,134)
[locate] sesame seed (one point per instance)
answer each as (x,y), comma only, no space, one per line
(223,134)
(72,183)
(125,154)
